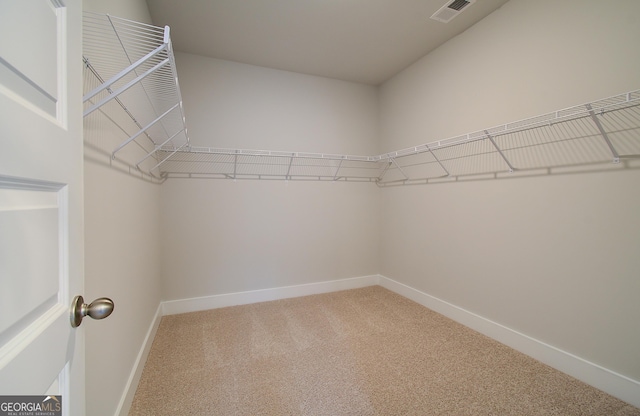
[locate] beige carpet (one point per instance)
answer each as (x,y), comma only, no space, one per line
(358,352)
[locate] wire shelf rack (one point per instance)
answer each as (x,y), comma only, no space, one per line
(131,79)
(606,130)
(266,164)
(132,95)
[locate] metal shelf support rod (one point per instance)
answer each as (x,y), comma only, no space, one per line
(603,133)
(437,160)
(235,164)
(158,147)
(166,158)
(290,163)
(130,139)
(167,41)
(335,176)
(124,72)
(125,87)
(384,171)
(511,168)
(400,169)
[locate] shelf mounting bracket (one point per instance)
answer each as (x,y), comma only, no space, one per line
(400,169)
(158,147)
(288,176)
(132,138)
(438,160)
(603,133)
(511,168)
(335,177)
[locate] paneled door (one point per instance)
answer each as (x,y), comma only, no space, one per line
(41,234)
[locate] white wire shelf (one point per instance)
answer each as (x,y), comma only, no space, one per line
(130,73)
(132,93)
(268,164)
(606,130)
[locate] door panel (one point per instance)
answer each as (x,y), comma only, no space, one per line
(29,247)
(41,242)
(39,29)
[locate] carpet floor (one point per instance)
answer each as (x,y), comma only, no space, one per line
(358,352)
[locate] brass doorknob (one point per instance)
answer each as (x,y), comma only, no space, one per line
(98,309)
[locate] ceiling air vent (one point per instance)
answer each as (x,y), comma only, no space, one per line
(451,10)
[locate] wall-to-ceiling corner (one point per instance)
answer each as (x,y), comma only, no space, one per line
(122,258)
(553,257)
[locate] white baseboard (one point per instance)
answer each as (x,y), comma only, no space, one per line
(615,384)
(174,307)
(136,372)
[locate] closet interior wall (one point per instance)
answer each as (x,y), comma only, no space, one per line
(225,236)
(554,255)
(551,255)
(122,246)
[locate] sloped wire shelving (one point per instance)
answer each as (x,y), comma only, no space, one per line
(131,80)
(131,83)
(606,130)
(603,131)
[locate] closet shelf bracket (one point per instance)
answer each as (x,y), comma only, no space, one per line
(384,172)
(493,142)
(132,138)
(335,176)
(438,160)
(157,148)
(393,160)
(603,133)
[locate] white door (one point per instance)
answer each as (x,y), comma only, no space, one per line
(41,234)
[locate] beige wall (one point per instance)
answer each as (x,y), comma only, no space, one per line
(238,106)
(122,239)
(553,257)
(225,236)
(525,59)
(135,10)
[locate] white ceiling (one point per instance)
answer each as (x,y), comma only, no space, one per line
(366,41)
